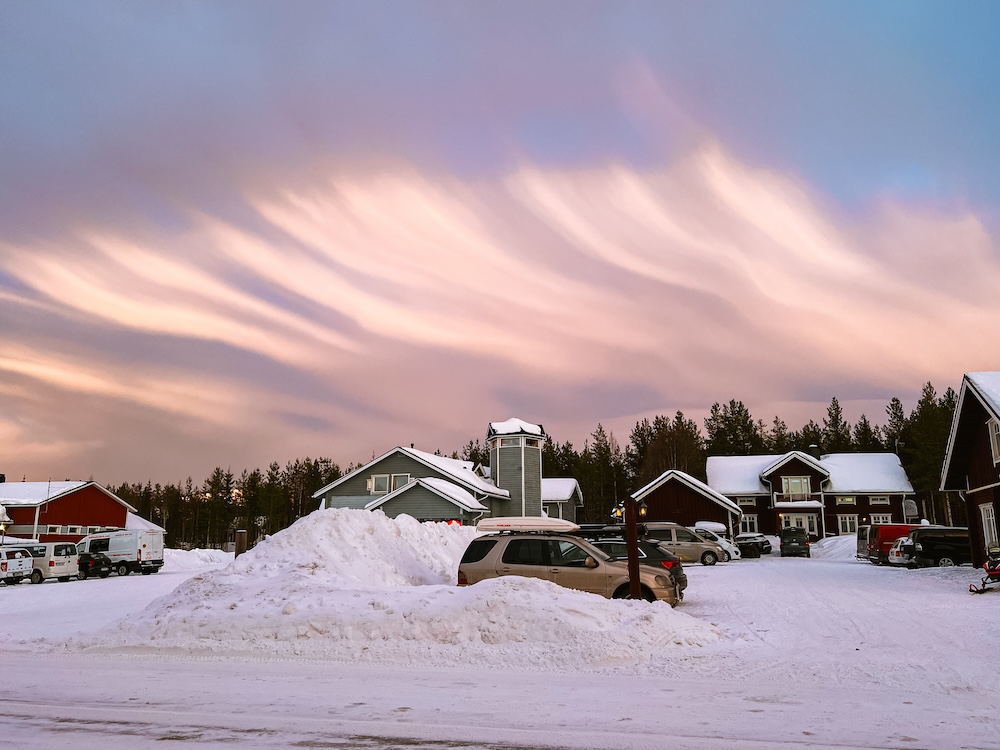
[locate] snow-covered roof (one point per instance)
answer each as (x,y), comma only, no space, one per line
(987,385)
(847,472)
(985,390)
(462,472)
(795,456)
(865,472)
(798,504)
(559,489)
(442,487)
(138,523)
(30,494)
(695,484)
(514,426)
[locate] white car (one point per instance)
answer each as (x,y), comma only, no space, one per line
(730,550)
(901,552)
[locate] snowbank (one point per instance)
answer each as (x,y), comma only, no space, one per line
(195,559)
(354,585)
(842,547)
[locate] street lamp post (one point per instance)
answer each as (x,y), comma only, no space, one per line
(633,508)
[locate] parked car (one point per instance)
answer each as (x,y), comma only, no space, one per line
(901,552)
(794,542)
(93,564)
(650,553)
(57,560)
(569,561)
(683,542)
(881,537)
(730,550)
(941,546)
(753,542)
(15,564)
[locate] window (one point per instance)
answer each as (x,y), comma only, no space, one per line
(989,524)
(51,529)
(75,530)
(848,524)
(526,552)
(566,553)
(93,529)
(746,500)
(531,442)
(795,486)
(848,500)
(683,535)
(881,518)
(878,500)
(379,484)
(994,428)
(400,480)
(748,524)
(805,521)
(510,442)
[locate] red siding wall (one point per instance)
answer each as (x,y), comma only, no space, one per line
(675,501)
(88,506)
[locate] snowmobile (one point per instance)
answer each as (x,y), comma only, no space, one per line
(992,568)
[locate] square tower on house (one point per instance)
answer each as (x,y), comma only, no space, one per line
(516,466)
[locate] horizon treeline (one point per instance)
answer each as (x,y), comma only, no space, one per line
(263,502)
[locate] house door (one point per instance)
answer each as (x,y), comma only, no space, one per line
(805,521)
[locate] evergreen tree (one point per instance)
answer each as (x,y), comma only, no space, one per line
(779,439)
(731,431)
(811,434)
(866,438)
(836,431)
(676,444)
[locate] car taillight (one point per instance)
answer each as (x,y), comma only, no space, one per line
(668,564)
(462,580)
(52,563)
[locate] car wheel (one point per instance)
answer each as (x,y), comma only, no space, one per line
(622,592)
(726,557)
(36,576)
(946,562)
(82,575)
(709,558)
(122,569)
(105,575)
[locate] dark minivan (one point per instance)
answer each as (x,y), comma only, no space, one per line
(941,545)
(794,542)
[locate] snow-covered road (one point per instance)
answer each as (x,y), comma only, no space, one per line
(819,653)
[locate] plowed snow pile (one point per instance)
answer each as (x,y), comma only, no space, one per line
(358,586)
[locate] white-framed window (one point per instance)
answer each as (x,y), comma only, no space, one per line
(378,484)
(881,517)
(848,524)
(746,501)
(93,529)
(514,442)
(795,486)
(989,517)
(805,521)
(400,480)
(74,530)
(881,500)
(994,428)
(748,523)
(532,442)
(52,530)
(846,500)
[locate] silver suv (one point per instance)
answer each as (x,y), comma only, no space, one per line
(569,561)
(683,542)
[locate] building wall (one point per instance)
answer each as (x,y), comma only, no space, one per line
(506,471)
(675,501)
(425,505)
(395,463)
(982,473)
(88,506)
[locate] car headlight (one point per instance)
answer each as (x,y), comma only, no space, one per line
(661,581)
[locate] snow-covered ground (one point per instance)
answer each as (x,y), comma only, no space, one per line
(346,630)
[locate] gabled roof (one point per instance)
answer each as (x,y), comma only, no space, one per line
(698,486)
(560,490)
(440,487)
(982,388)
(461,472)
(514,426)
(32,494)
(795,456)
(845,472)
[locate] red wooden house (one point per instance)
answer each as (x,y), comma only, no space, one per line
(61,511)
(679,497)
(972,459)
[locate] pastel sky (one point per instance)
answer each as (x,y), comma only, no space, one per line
(233,233)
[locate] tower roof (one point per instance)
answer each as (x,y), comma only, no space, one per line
(514,426)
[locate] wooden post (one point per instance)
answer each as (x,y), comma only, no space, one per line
(632,549)
(241,541)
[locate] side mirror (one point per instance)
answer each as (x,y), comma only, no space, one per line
(590,562)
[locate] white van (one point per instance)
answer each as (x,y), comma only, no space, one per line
(715,532)
(57,560)
(138,550)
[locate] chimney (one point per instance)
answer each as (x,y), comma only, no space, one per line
(411,445)
(814,451)
(3,478)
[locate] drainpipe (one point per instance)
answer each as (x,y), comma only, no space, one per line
(523,510)
(34,531)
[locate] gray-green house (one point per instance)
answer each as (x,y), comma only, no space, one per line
(436,488)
